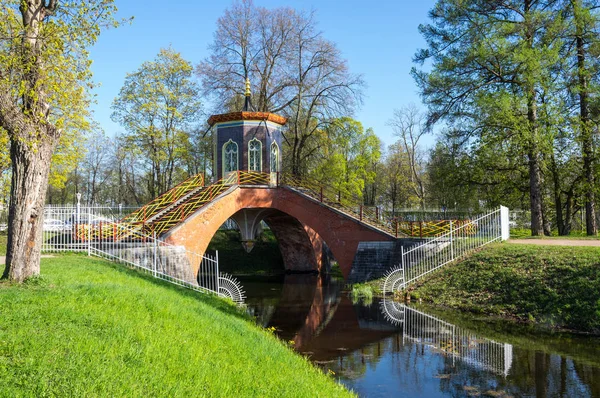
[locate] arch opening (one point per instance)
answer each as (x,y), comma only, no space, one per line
(268,241)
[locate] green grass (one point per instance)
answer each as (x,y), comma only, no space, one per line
(3,238)
(264,259)
(557,286)
(91,328)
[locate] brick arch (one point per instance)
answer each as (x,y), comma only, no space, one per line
(298,251)
(322,224)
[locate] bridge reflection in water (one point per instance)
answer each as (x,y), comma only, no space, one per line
(323,324)
(388,349)
(454,341)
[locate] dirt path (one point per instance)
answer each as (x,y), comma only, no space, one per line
(556,242)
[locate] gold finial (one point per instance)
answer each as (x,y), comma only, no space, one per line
(247,87)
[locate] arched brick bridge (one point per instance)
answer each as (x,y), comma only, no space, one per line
(300,224)
(304,218)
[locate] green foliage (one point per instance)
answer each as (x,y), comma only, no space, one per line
(348,157)
(264,259)
(109,331)
(501,85)
(558,286)
(57,92)
(158,106)
(362,293)
(2,244)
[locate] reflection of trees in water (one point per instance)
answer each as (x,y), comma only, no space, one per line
(354,364)
(589,375)
(263,313)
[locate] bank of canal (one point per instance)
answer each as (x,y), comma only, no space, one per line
(558,286)
(388,349)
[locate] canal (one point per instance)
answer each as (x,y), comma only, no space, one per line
(383,349)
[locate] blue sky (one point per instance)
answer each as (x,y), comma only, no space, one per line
(378,38)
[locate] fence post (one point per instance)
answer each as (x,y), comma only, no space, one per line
(396,227)
(217,270)
(321,194)
(154,261)
(504,220)
(89,232)
(377,213)
(361,212)
(421,229)
(402,263)
(451,243)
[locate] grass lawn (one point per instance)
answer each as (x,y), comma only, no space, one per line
(91,328)
(3,238)
(554,285)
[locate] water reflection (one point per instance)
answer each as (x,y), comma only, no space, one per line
(388,349)
(448,339)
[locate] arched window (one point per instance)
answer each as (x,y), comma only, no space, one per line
(254,155)
(230,157)
(274,157)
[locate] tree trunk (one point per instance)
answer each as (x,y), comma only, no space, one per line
(535,194)
(535,175)
(30,169)
(558,207)
(586,139)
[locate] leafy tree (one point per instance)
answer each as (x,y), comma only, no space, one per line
(158,105)
(582,46)
(396,172)
(348,157)
(409,125)
(484,54)
(370,150)
(44,84)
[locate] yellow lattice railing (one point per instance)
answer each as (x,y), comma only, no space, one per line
(428,229)
(169,209)
(177,204)
(165,200)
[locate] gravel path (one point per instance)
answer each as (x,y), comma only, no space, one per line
(557,242)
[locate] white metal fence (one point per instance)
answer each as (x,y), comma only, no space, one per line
(83,229)
(437,252)
(457,342)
